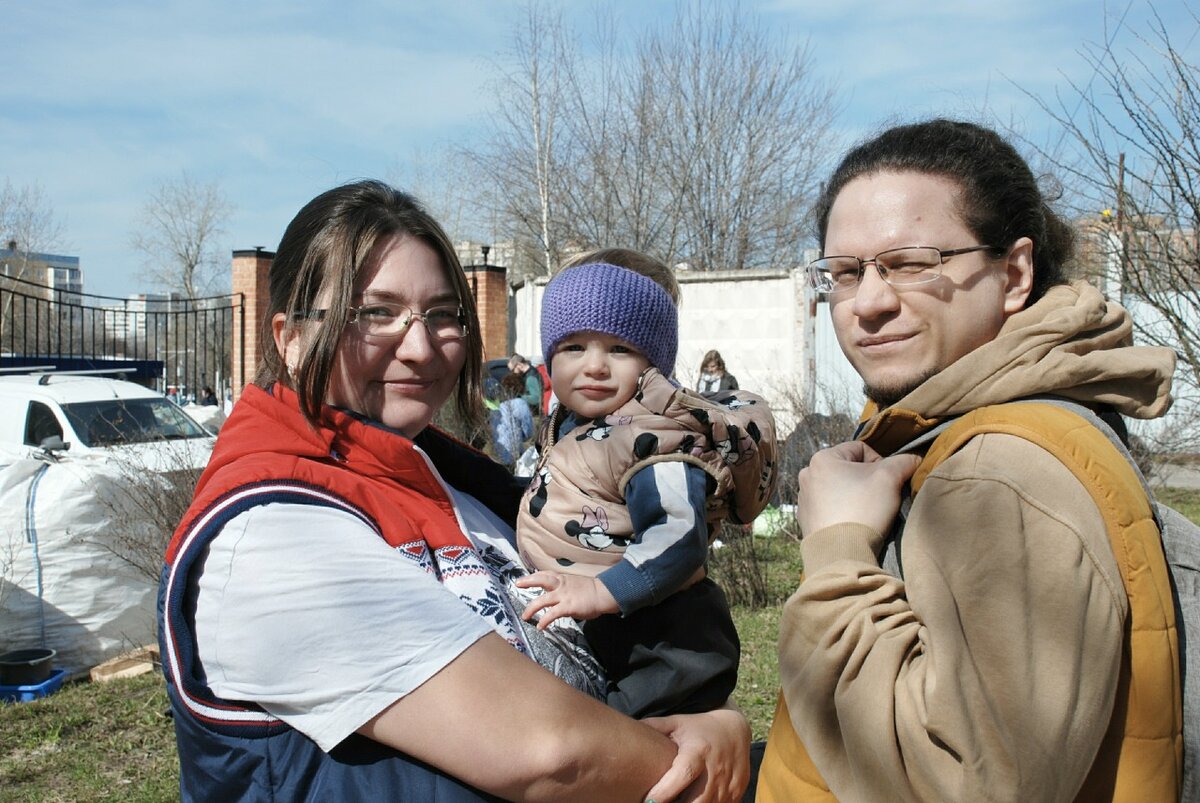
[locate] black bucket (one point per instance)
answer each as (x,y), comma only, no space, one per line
(25,667)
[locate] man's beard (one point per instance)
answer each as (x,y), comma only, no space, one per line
(887,395)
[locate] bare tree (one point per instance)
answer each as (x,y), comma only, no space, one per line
(700,142)
(745,124)
(1133,161)
(444,185)
(619,188)
(10,547)
(28,226)
(145,495)
(178,232)
(522,157)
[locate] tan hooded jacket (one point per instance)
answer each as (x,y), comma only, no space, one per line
(730,435)
(990,670)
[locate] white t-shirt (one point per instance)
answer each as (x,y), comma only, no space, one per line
(309,613)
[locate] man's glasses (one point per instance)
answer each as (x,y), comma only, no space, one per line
(899,267)
(382,320)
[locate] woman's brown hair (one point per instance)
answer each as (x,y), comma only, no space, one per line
(713,356)
(325,249)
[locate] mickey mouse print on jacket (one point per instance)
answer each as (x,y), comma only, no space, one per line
(573,517)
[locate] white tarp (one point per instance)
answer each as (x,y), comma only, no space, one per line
(211,417)
(62,583)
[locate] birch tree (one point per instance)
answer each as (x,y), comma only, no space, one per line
(520,157)
(28,226)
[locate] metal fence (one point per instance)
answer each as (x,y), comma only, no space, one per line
(175,345)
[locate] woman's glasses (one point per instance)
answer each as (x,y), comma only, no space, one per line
(382,320)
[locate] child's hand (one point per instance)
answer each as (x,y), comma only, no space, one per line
(566,595)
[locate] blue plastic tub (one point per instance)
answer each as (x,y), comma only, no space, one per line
(25,694)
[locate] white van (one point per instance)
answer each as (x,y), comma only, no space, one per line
(67,414)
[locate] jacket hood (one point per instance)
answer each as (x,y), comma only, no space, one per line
(1071,343)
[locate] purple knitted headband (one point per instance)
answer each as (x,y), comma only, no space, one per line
(599,297)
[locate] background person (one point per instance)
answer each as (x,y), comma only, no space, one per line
(512,423)
(618,516)
(533,392)
(985,645)
(337,622)
(548,400)
(713,376)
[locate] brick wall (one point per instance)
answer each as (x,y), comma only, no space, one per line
(490,286)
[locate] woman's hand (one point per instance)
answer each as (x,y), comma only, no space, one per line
(713,762)
(850,482)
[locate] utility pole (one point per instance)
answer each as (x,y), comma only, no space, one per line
(1122,234)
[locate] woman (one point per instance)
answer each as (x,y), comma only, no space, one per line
(713,377)
(336,616)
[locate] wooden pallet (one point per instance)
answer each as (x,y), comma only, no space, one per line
(127,665)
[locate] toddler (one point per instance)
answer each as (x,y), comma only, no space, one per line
(632,471)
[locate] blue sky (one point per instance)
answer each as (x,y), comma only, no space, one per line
(280,99)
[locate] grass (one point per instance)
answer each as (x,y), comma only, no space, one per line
(758,677)
(90,742)
(114,741)
(1185,501)
(777,561)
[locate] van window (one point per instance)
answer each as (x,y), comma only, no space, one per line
(40,423)
(118,421)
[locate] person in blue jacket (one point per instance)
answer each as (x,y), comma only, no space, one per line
(512,423)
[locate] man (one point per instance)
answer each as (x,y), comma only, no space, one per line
(986,645)
(533,383)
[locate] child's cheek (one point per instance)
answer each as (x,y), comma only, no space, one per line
(559,375)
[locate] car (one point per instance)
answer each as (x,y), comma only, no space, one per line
(79,413)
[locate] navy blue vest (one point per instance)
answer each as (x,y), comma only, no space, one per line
(229,750)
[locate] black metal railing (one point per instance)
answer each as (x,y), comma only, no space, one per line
(173,344)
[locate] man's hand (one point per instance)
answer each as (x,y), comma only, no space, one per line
(566,595)
(850,482)
(713,762)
